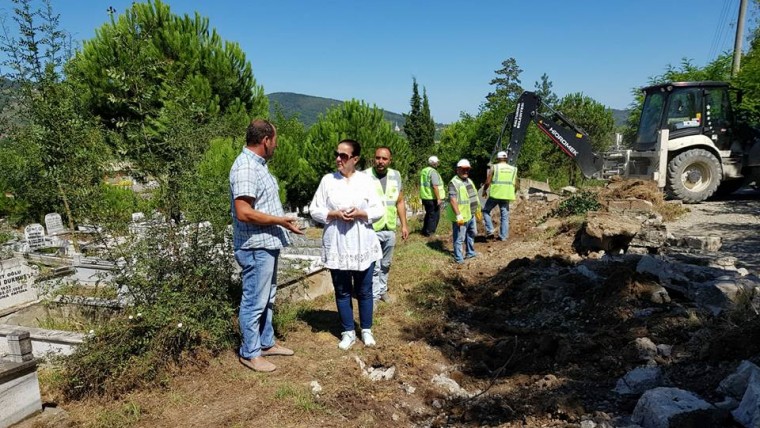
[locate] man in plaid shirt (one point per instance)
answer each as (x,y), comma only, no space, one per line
(260,230)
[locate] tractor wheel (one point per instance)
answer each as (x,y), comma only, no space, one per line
(693,176)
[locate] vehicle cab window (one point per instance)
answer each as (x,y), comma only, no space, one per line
(684,109)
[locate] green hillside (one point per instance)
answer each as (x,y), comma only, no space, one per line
(620,116)
(308,107)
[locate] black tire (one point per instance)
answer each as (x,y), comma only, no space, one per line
(693,176)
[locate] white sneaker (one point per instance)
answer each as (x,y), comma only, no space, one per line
(367,337)
(347,340)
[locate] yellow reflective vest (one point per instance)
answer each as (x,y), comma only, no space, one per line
(463,200)
(390,197)
(426,185)
(503,182)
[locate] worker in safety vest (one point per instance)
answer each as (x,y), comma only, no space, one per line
(501,182)
(388,184)
(463,205)
(431,193)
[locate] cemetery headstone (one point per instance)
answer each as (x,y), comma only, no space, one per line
(54,224)
(35,236)
(16,283)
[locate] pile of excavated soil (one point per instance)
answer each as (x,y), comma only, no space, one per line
(550,344)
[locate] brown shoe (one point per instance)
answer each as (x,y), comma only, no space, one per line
(258,364)
(277,350)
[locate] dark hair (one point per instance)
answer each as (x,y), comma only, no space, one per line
(386,148)
(356,148)
(257,130)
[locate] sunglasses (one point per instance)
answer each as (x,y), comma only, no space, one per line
(343,156)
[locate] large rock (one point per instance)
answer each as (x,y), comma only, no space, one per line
(712,288)
(533,186)
(629,206)
(724,292)
(639,380)
(735,384)
(697,243)
(651,236)
(607,231)
(609,225)
(675,408)
(748,412)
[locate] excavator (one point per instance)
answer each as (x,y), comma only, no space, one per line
(689,140)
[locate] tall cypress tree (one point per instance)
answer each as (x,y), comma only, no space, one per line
(428,124)
(414,127)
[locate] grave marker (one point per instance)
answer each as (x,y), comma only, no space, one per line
(54,224)
(16,283)
(35,236)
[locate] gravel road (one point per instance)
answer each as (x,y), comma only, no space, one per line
(736,219)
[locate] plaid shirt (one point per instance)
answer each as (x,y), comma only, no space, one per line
(250,177)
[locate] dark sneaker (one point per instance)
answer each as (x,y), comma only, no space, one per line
(277,350)
(258,364)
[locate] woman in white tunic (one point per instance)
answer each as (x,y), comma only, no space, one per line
(347,203)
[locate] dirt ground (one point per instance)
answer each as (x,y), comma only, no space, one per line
(518,356)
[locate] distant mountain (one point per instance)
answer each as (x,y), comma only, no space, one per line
(620,116)
(308,107)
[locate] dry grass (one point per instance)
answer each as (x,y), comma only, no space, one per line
(619,188)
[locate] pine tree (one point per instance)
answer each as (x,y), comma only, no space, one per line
(544,90)
(159,82)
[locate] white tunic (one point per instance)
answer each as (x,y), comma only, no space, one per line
(348,245)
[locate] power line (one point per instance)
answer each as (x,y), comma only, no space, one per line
(719,34)
(729,29)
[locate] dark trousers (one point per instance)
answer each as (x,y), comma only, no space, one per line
(432,214)
(345,283)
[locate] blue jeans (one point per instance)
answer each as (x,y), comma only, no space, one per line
(468,231)
(259,277)
(504,219)
(383,266)
(344,283)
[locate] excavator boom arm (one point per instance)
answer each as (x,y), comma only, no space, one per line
(562,132)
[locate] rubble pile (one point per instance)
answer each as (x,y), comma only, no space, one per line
(636,326)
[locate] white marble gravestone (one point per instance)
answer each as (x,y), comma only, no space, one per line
(35,236)
(16,283)
(54,224)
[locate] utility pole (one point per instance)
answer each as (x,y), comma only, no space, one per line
(738,39)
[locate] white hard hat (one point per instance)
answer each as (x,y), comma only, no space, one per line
(501,155)
(432,160)
(463,163)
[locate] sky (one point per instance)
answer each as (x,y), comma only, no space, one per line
(371,50)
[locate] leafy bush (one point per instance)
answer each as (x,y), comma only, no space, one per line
(577,204)
(111,207)
(180,284)
(206,193)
